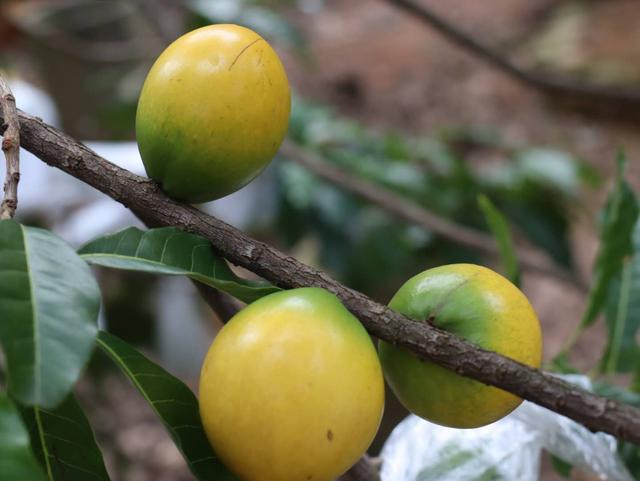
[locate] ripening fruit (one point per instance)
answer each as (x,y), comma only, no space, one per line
(212,113)
(291,389)
(479,305)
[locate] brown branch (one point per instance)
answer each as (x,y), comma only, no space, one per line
(11,149)
(221,303)
(544,81)
(407,210)
(146,198)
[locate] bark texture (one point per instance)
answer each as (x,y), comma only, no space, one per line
(147,200)
(11,149)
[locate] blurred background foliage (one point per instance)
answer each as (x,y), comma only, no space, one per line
(91,59)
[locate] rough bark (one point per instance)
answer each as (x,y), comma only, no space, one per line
(11,149)
(147,200)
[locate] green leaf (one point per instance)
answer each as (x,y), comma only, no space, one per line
(561,466)
(168,250)
(630,453)
(17,462)
(622,314)
(49,303)
(173,402)
(64,442)
(620,215)
(635,382)
(500,230)
(561,364)
(617,393)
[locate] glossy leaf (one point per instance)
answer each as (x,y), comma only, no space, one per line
(49,302)
(500,230)
(173,402)
(64,443)
(17,461)
(168,250)
(621,212)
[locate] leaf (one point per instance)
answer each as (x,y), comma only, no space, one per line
(562,365)
(64,442)
(629,452)
(561,466)
(621,212)
(168,250)
(17,462)
(500,230)
(173,402)
(622,315)
(617,393)
(635,382)
(49,303)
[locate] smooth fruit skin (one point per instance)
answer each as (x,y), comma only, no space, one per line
(479,305)
(292,389)
(212,113)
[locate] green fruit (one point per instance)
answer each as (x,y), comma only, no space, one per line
(212,113)
(484,308)
(292,389)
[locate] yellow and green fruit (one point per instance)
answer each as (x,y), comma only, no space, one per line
(212,113)
(291,389)
(484,308)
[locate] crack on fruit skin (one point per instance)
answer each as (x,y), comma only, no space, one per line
(431,318)
(330,435)
(243,51)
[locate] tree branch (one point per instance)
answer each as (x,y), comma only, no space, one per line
(543,81)
(145,198)
(529,258)
(11,149)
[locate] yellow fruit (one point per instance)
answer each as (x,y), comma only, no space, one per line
(291,389)
(479,305)
(212,113)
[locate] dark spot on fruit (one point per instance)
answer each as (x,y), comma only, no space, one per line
(309,477)
(330,435)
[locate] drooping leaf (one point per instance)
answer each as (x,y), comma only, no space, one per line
(17,461)
(622,314)
(168,250)
(64,443)
(173,402)
(49,303)
(620,215)
(500,230)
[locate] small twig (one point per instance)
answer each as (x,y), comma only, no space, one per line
(164,17)
(11,149)
(221,303)
(544,81)
(407,210)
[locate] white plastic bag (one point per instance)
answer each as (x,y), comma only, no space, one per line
(506,450)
